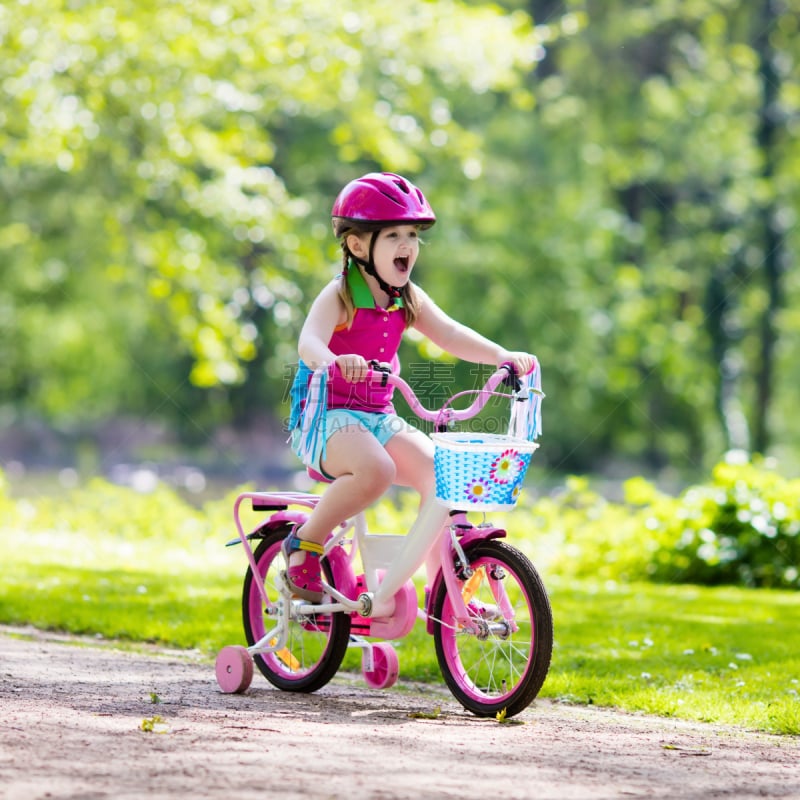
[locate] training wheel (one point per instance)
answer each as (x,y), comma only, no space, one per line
(385,666)
(234,669)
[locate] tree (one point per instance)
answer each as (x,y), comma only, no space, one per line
(664,104)
(616,185)
(167,169)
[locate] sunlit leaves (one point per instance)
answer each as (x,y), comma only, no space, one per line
(168,168)
(165,147)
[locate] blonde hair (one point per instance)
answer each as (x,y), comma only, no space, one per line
(411,298)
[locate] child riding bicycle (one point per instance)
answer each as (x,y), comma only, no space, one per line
(363,447)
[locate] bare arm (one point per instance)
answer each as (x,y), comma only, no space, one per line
(325,314)
(463,342)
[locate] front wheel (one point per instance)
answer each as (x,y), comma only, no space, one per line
(501,665)
(316,643)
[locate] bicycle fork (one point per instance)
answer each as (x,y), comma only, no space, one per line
(462,581)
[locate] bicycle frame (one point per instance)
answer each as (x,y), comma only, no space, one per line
(386,601)
(389,560)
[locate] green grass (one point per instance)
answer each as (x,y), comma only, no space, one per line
(142,592)
(722,655)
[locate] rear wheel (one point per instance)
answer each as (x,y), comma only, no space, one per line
(501,666)
(316,643)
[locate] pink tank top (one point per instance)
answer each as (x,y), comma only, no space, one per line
(374,334)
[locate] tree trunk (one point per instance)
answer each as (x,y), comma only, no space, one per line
(769,124)
(725,335)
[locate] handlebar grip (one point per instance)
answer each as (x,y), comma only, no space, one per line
(512,379)
(384,369)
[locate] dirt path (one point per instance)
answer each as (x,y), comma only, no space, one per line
(71,721)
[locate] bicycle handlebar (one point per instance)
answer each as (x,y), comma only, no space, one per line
(445,414)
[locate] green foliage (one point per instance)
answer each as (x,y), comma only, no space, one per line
(167,171)
(741,527)
(604,180)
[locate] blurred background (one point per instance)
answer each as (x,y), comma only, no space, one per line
(616,185)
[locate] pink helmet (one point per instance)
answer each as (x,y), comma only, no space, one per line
(377,200)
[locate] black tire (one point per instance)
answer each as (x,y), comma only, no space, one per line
(503,669)
(316,644)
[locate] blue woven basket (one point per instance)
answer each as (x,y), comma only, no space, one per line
(481,471)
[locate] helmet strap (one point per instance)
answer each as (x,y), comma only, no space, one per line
(369,268)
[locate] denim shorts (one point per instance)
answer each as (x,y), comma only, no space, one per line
(381,426)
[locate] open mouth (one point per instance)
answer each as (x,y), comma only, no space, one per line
(401,264)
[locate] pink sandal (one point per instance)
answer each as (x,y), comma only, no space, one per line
(304,579)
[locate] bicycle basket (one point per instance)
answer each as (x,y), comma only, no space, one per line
(481,472)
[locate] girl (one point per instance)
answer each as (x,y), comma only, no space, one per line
(360,316)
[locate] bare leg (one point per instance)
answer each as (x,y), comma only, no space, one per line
(412,452)
(363,470)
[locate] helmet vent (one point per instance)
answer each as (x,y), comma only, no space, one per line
(402,186)
(393,199)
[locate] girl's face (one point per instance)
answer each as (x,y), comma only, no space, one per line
(395,253)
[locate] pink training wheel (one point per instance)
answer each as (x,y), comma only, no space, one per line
(234,669)
(385,663)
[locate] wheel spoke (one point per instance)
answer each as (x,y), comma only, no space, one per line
(502,660)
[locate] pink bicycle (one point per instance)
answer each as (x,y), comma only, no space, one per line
(487,610)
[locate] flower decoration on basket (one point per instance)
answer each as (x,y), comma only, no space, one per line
(477,491)
(506,467)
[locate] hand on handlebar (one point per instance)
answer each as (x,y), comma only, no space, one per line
(353,367)
(523,363)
